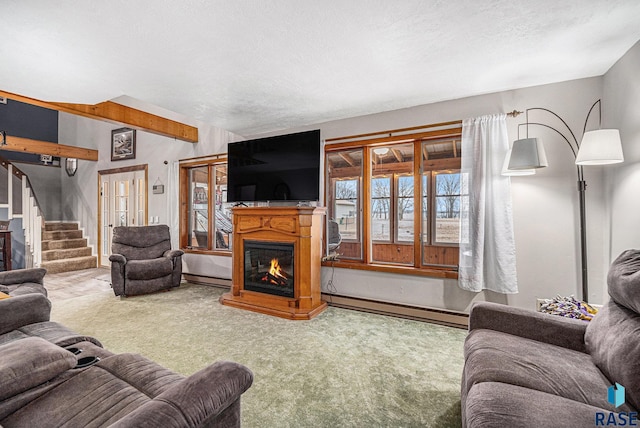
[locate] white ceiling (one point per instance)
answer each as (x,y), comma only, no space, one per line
(251,66)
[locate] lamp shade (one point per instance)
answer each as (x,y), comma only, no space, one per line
(71,166)
(600,147)
(527,153)
(514,172)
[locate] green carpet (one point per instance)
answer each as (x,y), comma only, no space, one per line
(342,369)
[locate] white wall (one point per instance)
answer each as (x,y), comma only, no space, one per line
(621,109)
(546,209)
(80,193)
(46,185)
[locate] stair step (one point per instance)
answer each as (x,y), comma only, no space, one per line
(61,234)
(64,244)
(53,226)
(72,264)
(65,253)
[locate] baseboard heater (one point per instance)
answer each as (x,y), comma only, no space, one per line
(436,316)
(207,280)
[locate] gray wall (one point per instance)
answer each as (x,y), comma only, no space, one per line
(47,185)
(546,213)
(621,103)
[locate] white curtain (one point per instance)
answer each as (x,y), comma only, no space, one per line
(487,247)
(173,202)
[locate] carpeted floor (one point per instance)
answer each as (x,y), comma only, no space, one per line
(341,369)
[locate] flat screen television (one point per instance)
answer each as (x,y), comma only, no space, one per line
(280,168)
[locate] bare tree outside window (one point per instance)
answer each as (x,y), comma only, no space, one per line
(405,208)
(448,207)
(380,193)
(405,196)
(347,189)
(380,208)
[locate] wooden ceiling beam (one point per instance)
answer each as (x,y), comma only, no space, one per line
(425,152)
(136,119)
(118,113)
(348,159)
(26,145)
(398,155)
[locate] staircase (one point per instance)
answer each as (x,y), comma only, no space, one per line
(64,249)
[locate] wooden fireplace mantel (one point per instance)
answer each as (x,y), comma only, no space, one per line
(300,226)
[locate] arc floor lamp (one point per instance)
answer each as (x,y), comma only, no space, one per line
(598,147)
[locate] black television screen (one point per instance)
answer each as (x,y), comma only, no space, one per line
(280,168)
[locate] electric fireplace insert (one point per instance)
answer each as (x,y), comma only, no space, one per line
(268,267)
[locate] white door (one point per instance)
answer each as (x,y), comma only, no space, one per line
(123,203)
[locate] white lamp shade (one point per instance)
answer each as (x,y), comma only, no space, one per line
(600,147)
(514,172)
(527,153)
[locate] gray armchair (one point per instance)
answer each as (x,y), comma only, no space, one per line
(142,260)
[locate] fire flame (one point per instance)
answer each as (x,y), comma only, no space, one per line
(276,275)
(276,270)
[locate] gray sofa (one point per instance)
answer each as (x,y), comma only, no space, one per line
(23,281)
(529,369)
(142,260)
(51,376)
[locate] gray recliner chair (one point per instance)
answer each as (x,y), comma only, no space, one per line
(142,260)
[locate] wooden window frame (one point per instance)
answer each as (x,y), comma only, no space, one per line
(356,174)
(186,165)
(420,266)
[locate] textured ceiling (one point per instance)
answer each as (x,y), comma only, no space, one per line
(251,66)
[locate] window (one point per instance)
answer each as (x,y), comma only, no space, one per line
(401,212)
(405,208)
(392,205)
(441,202)
(447,201)
(346,208)
(205,222)
(344,173)
(381,209)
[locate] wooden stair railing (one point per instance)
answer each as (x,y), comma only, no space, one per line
(32,216)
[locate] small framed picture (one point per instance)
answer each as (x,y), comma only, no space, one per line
(123,144)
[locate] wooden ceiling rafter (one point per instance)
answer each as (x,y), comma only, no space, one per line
(348,159)
(425,152)
(398,155)
(26,145)
(117,113)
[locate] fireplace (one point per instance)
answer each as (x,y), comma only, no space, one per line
(276,261)
(268,267)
